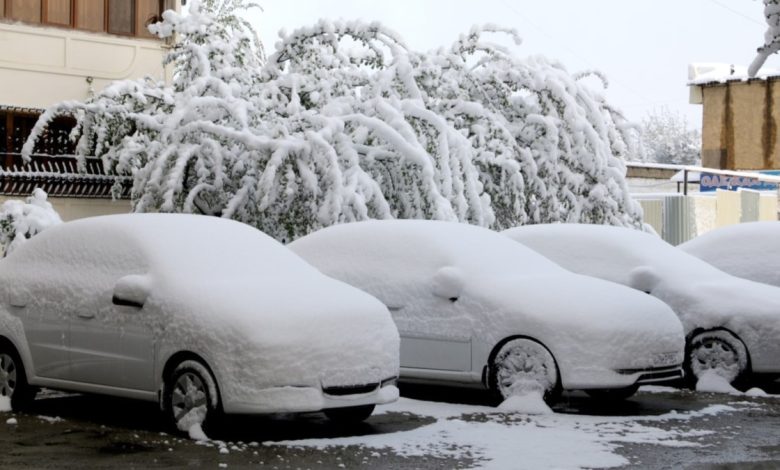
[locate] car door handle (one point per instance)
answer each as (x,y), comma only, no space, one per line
(86,315)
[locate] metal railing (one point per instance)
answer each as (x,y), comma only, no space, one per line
(60,175)
(686,169)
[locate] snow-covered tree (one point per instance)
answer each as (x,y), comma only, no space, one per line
(20,220)
(667,138)
(343,122)
(771,36)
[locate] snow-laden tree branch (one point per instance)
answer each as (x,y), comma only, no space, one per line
(20,220)
(344,122)
(771,36)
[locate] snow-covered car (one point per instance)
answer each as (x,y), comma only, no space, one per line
(202,314)
(474,308)
(732,325)
(748,250)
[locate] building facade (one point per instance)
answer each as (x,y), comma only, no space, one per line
(57,50)
(739,120)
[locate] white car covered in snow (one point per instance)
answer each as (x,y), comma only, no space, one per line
(473,308)
(732,324)
(749,250)
(203,314)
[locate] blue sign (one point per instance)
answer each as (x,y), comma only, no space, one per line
(710,182)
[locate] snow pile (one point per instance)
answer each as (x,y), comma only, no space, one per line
(531,403)
(495,439)
(12,421)
(748,250)
(343,122)
(705,73)
(21,220)
(5,404)
(712,382)
(702,296)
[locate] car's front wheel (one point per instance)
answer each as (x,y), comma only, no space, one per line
(719,352)
(192,398)
(13,379)
(522,365)
(349,415)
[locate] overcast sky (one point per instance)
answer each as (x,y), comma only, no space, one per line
(644,47)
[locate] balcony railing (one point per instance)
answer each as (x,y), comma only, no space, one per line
(59,176)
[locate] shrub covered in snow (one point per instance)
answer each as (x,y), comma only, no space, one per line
(21,220)
(343,122)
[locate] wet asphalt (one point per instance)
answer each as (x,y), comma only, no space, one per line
(101,433)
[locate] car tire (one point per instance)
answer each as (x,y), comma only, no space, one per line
(522,364)
(350,415)
(191,397)
(13,379)
(719,351)
(612,394)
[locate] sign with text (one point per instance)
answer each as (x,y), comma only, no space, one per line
(710,182)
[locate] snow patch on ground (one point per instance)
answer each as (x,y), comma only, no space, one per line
(12,421)
(50,419)
(495,438)
(530,403)
(757,392)
(5,404)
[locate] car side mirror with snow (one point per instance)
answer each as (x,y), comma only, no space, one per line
(132,291)
(643,278)
(448,283)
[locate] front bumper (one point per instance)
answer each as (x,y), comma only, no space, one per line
(292,399)
(653,375)
(602,378)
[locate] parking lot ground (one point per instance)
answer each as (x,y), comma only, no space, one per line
(80,431)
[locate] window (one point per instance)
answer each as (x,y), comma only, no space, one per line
(15,127)
(90,15)
(58,12)
(25,10)
(122,17)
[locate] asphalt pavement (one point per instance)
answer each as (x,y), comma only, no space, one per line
(79,431)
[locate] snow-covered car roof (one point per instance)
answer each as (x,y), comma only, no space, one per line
(581,247)
(748,250)
(188,245)
(436,244)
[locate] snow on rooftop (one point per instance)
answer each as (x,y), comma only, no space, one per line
(705,73)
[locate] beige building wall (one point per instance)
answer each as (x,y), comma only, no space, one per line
(71,208)
(40,65)
(740,124)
